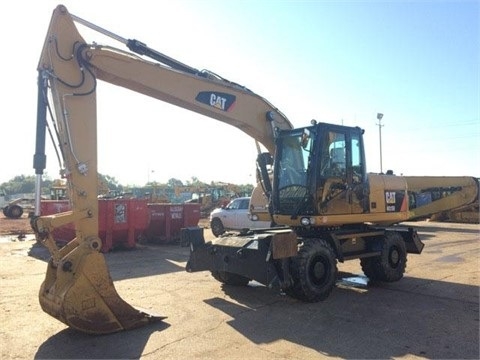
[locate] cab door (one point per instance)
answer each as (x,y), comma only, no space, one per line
(341,176)
(241,214)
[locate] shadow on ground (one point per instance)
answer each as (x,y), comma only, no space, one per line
(71,344)
(363,321)
(139,262)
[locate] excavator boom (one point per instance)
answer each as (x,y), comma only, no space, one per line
(78,289)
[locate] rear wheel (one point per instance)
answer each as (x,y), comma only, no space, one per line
(390,265)
(230,278)
(314,271)
(217,227)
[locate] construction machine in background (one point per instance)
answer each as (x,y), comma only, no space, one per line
(313,185)
(468,214)
(58,190)
(209,196)
(15,208)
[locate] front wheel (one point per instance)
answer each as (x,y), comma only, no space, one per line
(314,271)
(217,227)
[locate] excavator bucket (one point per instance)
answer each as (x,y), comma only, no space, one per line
(79,292)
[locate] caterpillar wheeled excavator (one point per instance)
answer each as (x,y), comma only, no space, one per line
(313,185)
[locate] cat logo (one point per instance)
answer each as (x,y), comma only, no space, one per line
(218,100)
(390,197)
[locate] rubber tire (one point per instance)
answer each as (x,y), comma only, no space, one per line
(314,255)
(217,227)
(390,265)
(14,211)
(368,268)
(5,211)
(230,278)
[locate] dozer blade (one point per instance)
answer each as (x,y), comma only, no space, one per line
(80,293)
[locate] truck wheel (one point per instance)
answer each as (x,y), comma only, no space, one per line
(217,227)
(314,271)
(368,268)
(5,211)
(390,265)
(14,211)
(230,278)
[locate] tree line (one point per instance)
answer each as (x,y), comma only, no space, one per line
(22,184)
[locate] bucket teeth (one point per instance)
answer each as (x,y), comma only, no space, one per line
(83,297)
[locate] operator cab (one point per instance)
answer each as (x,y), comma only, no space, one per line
(320,170)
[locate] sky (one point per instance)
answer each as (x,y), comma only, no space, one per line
(342,62)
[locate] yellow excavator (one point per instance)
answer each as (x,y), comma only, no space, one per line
(313,185)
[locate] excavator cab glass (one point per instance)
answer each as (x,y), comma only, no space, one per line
(305,140)
(294,152)
(316,169)
(333,159)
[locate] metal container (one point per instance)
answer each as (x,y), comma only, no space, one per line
(167,220)
(121,222)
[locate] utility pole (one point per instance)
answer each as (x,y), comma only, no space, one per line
(379,118)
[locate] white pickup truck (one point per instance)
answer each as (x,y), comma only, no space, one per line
(234,216)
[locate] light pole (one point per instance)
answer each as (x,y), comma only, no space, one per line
(148,174)
(379,118)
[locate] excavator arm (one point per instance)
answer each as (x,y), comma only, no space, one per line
(78,289)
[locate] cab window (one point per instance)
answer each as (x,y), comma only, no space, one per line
(334,157)
(356,159)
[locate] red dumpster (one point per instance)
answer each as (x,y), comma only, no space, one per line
(156,231)
(121,221)
(191,214)
(174,221)
(167,220)
(65,233)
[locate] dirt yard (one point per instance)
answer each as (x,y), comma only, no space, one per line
(15,226)
(430,314)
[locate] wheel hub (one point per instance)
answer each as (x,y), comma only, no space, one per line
(394,257)
(318,271)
